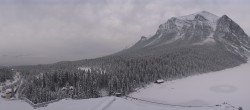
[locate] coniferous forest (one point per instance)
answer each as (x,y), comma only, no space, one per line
(5,74)
(123,72)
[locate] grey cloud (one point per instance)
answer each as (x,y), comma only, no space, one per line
(47,31)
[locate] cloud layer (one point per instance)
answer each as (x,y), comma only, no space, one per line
(47,31)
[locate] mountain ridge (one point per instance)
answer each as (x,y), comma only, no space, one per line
(200,28)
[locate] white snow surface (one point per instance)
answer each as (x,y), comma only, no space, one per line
(154,41)
(84,68)
(206,41)
(209,16)
(65,104)
(212,19)
(230,85)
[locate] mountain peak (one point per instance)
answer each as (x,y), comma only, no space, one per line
(200,17)
(175,24)
(225,18)
(143,38)
(209,16)
(201,28)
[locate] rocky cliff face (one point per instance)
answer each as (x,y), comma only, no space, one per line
(232,37)
(202,28)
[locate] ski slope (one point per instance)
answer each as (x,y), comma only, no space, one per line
(230,85)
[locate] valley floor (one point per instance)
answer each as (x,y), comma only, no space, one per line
(230,86)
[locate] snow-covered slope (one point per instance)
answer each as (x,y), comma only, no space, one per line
(230,85)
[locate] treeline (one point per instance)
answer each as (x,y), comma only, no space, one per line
(6,74)
(121,73)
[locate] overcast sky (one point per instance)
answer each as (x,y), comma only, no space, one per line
(47,31)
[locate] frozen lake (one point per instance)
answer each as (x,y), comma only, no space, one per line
(230,85)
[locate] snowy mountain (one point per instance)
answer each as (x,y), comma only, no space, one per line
(202,28)
(183,46)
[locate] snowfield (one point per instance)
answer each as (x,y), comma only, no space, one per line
(230,86)
(65,104)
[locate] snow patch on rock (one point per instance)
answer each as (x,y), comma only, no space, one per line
(212,19)
(154,41)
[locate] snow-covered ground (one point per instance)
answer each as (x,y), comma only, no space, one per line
(230,85)
(69,104)
(9,82)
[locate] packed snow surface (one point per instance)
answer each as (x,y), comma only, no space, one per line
(230,86)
